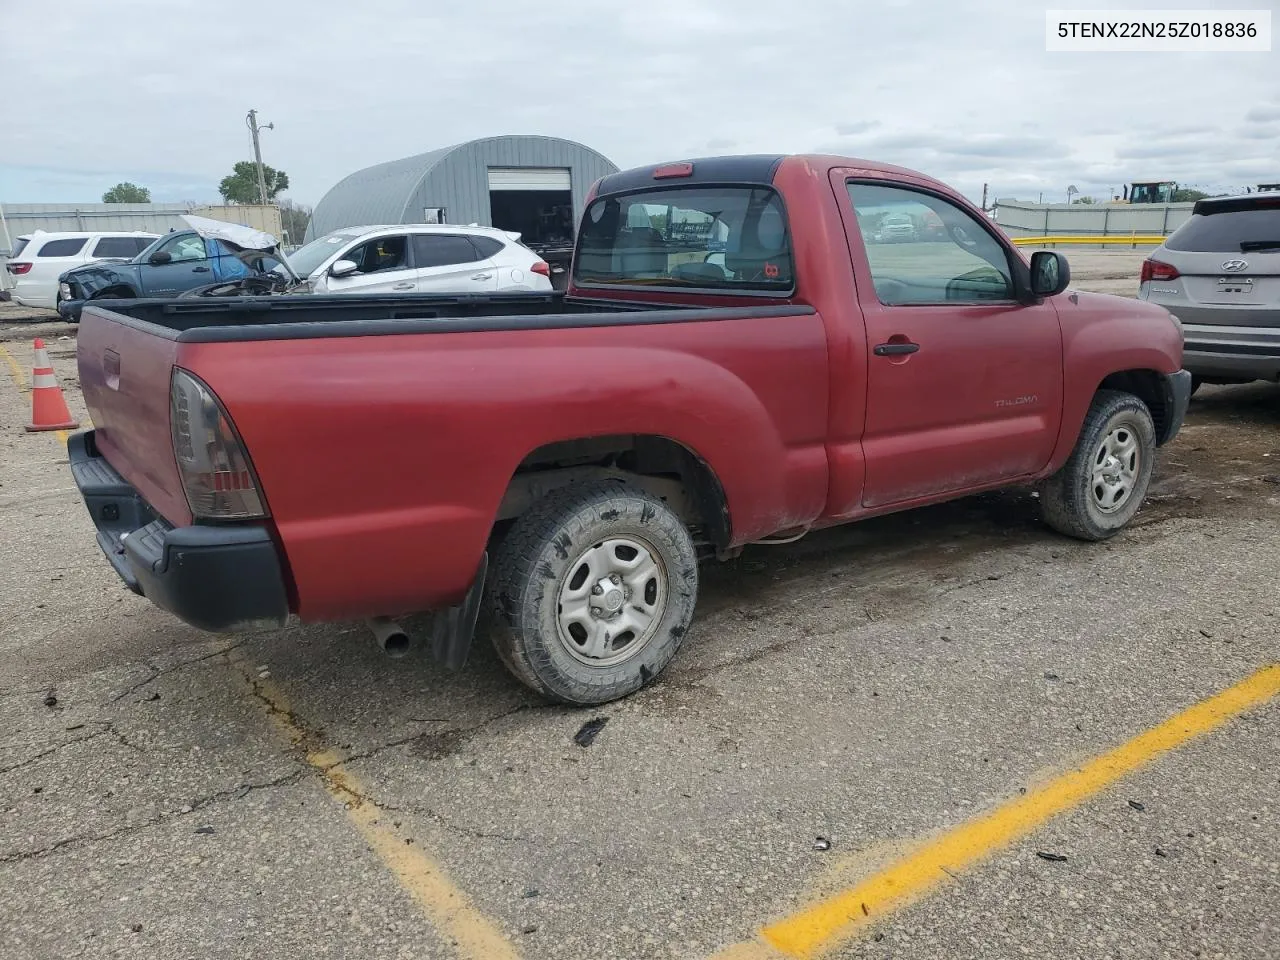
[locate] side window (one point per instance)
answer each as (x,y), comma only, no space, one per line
(384,253)
(61,248)
(442,250)
(487,246)
(184,247)
(116,247)
(923,249)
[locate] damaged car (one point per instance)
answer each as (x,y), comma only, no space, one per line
(211,258)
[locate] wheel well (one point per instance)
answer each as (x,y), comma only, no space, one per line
(665,468)
(1146,386)
(125,293)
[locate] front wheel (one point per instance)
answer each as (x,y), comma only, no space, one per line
(593,592)
(1102,484)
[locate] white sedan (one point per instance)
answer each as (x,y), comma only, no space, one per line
(419,258)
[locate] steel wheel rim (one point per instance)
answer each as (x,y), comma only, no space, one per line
(1117,461)
(611,601)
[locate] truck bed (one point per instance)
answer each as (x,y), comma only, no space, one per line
(218,320)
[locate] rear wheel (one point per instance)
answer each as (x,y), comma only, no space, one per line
(592,593)
(1102,484)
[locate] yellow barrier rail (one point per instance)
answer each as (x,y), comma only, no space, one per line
(1111,239)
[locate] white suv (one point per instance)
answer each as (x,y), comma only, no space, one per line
(41,257)
(420,258)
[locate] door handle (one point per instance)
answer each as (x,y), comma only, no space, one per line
(897,349)
(403,286)
(482,276)
(199,269)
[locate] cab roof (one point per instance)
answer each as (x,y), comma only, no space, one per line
(745,169)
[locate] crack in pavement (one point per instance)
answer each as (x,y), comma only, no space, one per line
(456,731)
(106,728)
(159,672)
(238,792)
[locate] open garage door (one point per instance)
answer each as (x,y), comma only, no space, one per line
(529,178)
(536,202)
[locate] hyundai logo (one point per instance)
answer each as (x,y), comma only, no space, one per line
(1235,266)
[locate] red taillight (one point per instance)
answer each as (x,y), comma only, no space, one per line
(18,269)
(1156,270)
(673,170)
(542,268)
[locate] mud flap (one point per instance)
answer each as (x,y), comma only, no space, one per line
(453,629)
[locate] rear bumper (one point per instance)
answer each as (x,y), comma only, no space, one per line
(1177,397)
(1245,353)
(220,579)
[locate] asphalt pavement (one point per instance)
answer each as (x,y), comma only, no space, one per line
(841,704)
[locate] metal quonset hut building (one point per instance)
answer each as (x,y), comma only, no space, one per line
(534,185)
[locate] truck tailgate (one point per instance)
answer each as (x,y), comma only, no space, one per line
(124,368)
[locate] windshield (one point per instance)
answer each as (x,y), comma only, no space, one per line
(722,238)
(307,259)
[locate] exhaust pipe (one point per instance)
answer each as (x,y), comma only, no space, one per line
(390,636)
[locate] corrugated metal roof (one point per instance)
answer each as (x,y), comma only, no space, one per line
(373,195)
(393,192)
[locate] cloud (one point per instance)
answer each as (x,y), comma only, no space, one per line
(852,129)
(1264,113)
(963,91)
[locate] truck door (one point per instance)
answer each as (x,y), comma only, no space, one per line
(180,263)
(964,382)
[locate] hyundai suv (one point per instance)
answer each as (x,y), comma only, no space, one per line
(1219,274)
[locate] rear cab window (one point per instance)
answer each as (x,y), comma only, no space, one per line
(62,248)
(1232,226)
(724,238)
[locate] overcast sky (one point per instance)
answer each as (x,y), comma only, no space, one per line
(155,91)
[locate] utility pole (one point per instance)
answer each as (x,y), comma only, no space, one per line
(252,121)
(984,198)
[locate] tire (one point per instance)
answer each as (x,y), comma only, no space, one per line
(552,621)
(1083,501)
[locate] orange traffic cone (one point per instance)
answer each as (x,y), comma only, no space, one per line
(48,407)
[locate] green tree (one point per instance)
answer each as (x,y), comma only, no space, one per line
(242,185)
(1084,200)
(1187,195)
(127,193)
(294,218)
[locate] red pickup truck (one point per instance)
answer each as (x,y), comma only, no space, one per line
(742,356)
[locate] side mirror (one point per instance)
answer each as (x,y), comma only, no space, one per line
(161,257)
(343,268)
(1050,273)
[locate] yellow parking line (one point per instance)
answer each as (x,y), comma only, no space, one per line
(824,925)
(448,908)
(18,377)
